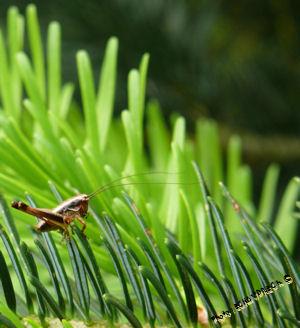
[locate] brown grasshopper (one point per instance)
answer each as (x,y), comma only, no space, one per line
(74,208)
(60,217)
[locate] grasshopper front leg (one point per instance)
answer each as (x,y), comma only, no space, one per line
(69,219)
(83,223)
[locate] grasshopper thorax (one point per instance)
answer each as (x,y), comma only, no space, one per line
(74,206)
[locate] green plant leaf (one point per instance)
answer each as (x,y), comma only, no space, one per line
(120,274)
(199,286)
(211,276)
(87,87)
(80,276)
(127,313)
(268,193)
(8,317)
(17,267)
(36,48)
(106,92)
(54,69)
(162,293)
(285,223)
(31,270)
(7,285)
(186,283)
(46,295)
(48,263)
(212,224)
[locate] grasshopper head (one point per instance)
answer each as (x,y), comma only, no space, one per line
(84,205)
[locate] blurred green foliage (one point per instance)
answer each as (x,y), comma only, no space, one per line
(237,61)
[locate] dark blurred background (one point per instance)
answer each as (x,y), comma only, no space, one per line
(234,61)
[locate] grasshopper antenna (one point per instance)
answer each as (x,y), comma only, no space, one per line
(111,184)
